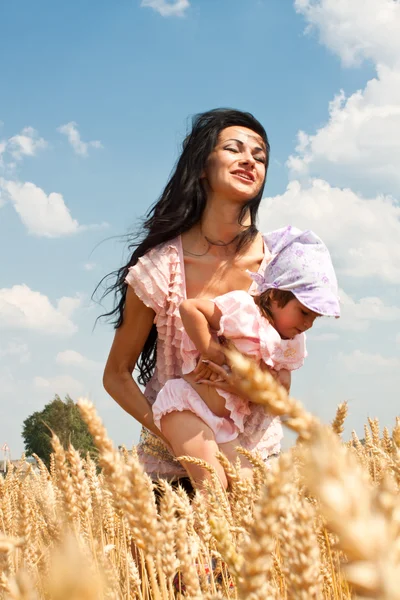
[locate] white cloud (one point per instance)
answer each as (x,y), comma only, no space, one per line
(16,348)
(398,338)
(26,143)
(67,304)
(356,316)
(358,146)
(60,384)
(363,235)
(23,308)
(322,337)
(168,8)
(369,308)
(89,266)
(71,358)
(356,30)
(71,131)
(3,145)
(364,363)
(8,384)
(43,215)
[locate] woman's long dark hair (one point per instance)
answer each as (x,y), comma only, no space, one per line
(181,206)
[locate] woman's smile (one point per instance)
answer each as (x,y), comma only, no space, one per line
(243,175)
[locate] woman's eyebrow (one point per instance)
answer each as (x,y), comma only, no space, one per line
(242,143)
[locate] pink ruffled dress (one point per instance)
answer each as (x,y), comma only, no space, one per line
(158,279)
(252,334)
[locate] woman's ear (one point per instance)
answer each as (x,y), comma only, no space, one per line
(204,173)
(204,183)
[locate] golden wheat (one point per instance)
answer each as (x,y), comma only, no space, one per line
(321,523)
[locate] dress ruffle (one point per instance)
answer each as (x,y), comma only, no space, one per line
(189,354)
(263,432)
(158,280)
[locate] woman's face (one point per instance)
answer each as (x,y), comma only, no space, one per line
(236,168)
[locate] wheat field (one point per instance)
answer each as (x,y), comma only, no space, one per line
(322,522)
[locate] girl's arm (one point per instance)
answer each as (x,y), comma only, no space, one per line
(284,377)
(199,316)
(127,345)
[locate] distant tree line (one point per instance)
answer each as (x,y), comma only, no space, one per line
(64,419)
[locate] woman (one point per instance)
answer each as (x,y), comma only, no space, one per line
(200,240)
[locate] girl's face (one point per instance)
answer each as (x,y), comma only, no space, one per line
(236,168)
(292,319)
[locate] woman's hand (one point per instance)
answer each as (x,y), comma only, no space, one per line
(220,374)
(224,379)
(203,371)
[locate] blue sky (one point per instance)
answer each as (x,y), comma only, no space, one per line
(95,100)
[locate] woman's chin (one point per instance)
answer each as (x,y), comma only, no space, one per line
(245,192)
(238,194)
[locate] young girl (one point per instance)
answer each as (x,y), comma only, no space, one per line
(299,285)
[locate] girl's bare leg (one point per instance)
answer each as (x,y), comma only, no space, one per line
(216,404)
(229,449)
(188,435)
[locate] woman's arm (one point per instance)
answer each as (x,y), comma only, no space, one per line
(229,380)
(198,317)
(128,343)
